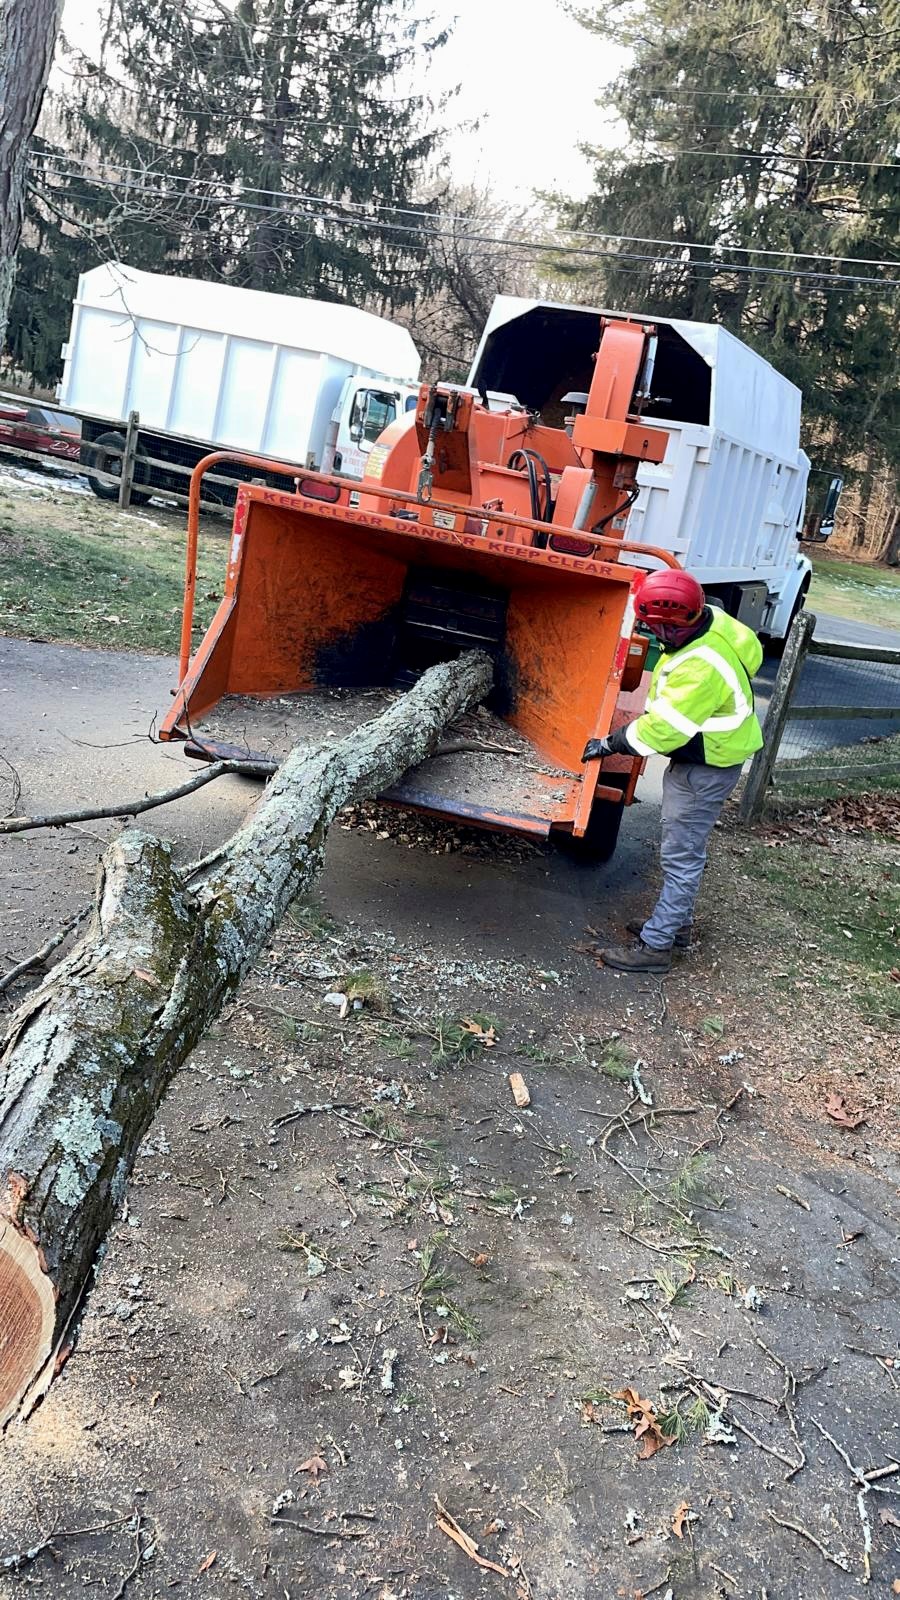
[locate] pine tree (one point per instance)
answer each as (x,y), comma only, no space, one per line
(772,127)
(263,142)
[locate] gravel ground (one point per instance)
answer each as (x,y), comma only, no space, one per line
(357,1297)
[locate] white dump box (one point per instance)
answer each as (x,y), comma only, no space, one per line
(728,497)
(224,366)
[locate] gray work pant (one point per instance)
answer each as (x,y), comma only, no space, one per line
(693,797)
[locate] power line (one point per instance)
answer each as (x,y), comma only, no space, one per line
(539,248)
(772,155)
(431,216)
(688,272)
(674,90)
(449,216)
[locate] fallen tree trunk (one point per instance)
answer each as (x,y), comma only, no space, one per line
(91,1051)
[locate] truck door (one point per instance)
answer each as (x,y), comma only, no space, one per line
(366,414)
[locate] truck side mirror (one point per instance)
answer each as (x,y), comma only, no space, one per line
(358,416)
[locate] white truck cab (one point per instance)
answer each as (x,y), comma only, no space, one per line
(364,409)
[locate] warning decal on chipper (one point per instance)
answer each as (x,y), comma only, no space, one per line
(377,457)
(443,519)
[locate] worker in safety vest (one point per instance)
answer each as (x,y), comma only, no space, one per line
(700,714)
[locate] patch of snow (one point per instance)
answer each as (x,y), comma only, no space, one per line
(28,482)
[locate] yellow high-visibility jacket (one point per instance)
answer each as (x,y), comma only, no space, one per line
(700,705)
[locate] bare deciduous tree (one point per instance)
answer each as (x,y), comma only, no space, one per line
(477,247)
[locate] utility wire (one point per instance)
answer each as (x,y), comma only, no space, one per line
(688,271)
(432,216)
(767,155)
(536,249)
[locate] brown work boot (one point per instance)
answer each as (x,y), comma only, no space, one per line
(682,940)
(637,957)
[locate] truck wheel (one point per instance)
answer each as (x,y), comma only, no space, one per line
(104,460)
(598,844)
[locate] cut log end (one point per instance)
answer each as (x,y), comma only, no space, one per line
(27,1318)
(91,1052)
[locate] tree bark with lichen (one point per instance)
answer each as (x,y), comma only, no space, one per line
(28,30)
(90,1052)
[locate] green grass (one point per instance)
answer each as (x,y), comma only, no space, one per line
(74,569)
(366,986)
(856,590)
(459,1040)
(849,909)
(791,793)
(877,760)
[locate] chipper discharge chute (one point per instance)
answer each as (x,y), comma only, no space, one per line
(475,526)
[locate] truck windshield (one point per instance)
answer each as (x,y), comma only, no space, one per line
(373,409)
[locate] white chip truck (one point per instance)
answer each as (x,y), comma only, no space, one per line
(212,366)
(728,497)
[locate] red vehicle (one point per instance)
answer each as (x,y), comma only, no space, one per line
(29,427)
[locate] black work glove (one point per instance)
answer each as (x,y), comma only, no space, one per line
(615,745)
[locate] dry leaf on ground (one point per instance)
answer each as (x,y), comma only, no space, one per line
(485,1036)
(315,1466)
(679,1518)
(207,1563)
(845,1116)
(466,1543)
(646,1424)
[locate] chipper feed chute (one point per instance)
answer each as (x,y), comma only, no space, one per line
(473,527)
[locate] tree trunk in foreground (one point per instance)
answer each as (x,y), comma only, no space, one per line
(28,30)
(91,1051)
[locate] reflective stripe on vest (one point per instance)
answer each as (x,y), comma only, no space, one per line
(639,745)
(717,724)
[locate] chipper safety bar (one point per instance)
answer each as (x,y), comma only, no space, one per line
(473,526)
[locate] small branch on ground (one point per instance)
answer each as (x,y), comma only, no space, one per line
(767,1449)
(15,783)
(784,1404)
(41,955)
(329,1532)
(141,1554)
(453,747)
(17,1559)
(133,808)
(797,1527)
(624,1124)
(864,1487)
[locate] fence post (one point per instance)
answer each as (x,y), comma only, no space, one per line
(789,669)
(129,455)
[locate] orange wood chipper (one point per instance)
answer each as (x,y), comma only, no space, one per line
(476,525)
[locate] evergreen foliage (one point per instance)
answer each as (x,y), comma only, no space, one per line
(199,129)
(751,123)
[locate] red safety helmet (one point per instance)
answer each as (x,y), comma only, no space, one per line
(671,597)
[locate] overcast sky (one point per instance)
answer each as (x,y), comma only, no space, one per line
(528,74)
